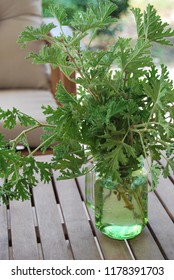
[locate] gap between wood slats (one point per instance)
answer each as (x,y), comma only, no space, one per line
(129,249)
(37,231)
(9,234)
(165,206)
(10,253)
(40,251)
(60,212)
(73,214)
(99,248)
(157,241)
(161,225)
(162,163)
(163,203)
(44,196)
(144,246)
(31,198)
(60,215)
(168,204)
(54,190)
(80,190)
(36,224)
(65,233)
(89,219)
(38,238)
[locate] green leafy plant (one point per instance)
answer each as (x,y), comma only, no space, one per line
(73,5)
(123,107)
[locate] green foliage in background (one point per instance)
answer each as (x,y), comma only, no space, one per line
(78,5)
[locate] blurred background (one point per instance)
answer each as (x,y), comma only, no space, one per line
(125,27)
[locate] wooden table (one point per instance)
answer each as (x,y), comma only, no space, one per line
(55,224)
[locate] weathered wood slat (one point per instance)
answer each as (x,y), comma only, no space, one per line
(53,241)
(78,228)
(81,183)
(4,250)
(161,225)
(24,243)
(165,191)
(144,247)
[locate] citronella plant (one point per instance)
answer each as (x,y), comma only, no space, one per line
(123,109)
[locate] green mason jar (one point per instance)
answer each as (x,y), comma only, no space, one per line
(121,209)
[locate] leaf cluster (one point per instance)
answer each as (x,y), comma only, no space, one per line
(18,173)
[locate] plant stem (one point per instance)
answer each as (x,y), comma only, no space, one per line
(78,38)
(78,69)
(162,142)
(143,146)
(126,134)
(25,131)
(128,204)
(41,145)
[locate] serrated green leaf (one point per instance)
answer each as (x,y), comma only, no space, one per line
(68,158)
(9,117)
(114,108)
(150,26)
(59,13)
(45,169)
(155,174)
(31,34)
(26,120)
(166,172)
(65,97)
(136,59)
(94,17)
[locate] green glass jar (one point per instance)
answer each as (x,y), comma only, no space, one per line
(121,209)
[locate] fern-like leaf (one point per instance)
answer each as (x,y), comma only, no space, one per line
(150,26)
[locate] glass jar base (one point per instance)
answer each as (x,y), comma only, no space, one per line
(121,232)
